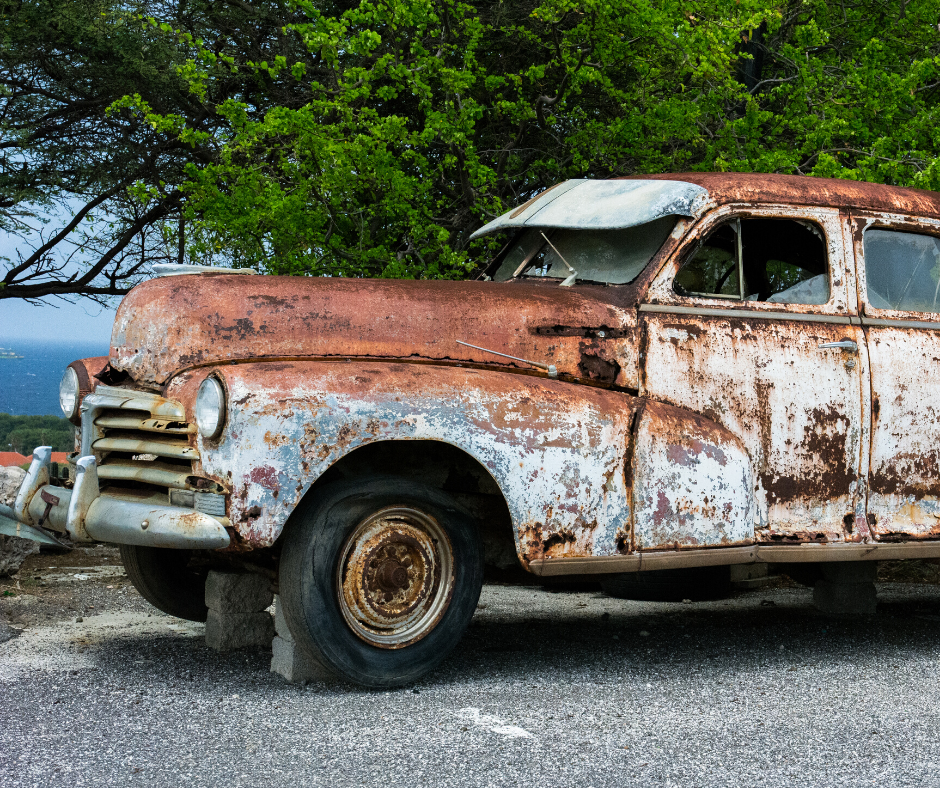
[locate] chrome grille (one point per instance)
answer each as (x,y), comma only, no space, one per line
(138,437)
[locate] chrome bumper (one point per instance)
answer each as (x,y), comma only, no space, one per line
(88,516)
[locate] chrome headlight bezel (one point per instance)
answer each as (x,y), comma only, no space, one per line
(70,394)
(210,409)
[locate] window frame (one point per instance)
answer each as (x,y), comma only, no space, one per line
(831,222)
(861,222)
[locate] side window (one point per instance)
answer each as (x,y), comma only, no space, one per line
(777,260)
(902,271)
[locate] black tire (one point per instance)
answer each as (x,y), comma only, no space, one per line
(670,585)
(324,557)
(164,578)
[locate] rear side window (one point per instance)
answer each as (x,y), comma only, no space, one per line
(902,271)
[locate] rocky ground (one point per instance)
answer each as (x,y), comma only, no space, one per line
(547,688)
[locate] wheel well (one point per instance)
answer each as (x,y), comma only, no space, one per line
(447,468)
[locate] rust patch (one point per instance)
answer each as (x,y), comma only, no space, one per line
(266,476)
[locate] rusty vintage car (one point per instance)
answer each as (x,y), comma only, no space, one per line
(663,372)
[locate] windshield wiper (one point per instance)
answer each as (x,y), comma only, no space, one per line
(574,274)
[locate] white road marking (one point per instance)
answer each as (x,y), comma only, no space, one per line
(491,723)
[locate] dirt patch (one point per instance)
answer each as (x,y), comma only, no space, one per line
(909,572)
(60,586)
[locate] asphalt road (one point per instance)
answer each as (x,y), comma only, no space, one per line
(546,689)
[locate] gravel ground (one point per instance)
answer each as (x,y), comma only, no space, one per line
(547,688)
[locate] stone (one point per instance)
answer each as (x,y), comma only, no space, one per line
(11,478)
(746,577)
(289,661)
(13,552)
(230,631)
(280,623)
(238,592)
(847,589)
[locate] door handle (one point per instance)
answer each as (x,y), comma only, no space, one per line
(846,344)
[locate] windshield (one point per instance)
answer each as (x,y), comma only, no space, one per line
(613,257)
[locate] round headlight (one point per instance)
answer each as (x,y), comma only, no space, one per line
(68,394)
(210,408)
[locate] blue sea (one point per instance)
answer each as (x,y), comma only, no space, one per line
(29,386)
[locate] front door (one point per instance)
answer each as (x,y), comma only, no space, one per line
(899,291)
(751,325)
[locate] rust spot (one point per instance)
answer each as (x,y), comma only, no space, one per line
(264,475)
(596,368)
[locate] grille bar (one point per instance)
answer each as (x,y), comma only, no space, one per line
(157,473)
(161,448)
(141,440)
(144,424)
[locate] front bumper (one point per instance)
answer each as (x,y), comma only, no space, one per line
(88,516)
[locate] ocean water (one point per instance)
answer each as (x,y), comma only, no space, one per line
(29,386)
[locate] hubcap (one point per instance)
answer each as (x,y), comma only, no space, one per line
(395,577)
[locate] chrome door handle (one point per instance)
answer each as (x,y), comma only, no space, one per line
(847,344)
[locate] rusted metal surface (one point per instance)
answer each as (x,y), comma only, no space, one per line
(197,320)
(722,424)
(809,552)
(761,189)
(395,577)
(556,451)
(904,353)
(757,369)
(692,482)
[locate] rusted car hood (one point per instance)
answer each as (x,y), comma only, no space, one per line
(173,323)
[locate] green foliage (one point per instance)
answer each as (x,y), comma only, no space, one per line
(425,118)
(849,90)
(22,434)
(372,137)
(90,195)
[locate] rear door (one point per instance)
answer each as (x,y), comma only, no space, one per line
(898,262)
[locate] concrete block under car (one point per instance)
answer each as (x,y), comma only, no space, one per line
(238,592)
(847,589)
(288,660)
(746,577)
(230,631)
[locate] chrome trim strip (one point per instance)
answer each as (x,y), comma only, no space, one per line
(753,554)
(845,320)
(877,321)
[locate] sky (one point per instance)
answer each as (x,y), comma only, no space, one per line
(55,320)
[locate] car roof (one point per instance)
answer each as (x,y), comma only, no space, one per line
(762,188)
(619,203)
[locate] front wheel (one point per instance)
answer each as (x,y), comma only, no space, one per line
(166,580)
(379,579)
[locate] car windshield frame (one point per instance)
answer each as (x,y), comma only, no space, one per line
(547,239)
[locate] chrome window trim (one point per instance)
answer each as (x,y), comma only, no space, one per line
(895,323)
(846,320)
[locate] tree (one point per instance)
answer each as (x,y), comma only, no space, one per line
(426,118)
(372,137)
(65,152)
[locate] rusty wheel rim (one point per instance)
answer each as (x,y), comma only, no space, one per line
(395,577)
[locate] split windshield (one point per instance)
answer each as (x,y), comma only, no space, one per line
(613,257)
